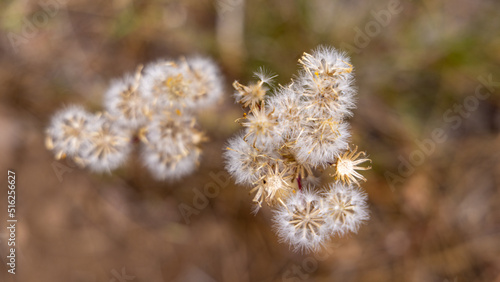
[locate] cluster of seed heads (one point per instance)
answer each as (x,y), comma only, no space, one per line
(295,154)
(154,107)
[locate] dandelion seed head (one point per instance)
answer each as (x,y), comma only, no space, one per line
(346,208)
(172,145)
(327,97)
(288,141)
(207,81)
(300,221)
(245,162)
(274,186)
(125,103)
(68,130)
(108,146)
(320,144)
(166,165)
(165,84)
(327,61)
(156,106)
(176,132)
(289,110)
(262,128)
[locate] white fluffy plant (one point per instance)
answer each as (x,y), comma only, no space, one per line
(155,107)
(292,140)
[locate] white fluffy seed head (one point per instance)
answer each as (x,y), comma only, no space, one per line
(125,103)
(208,79)
(309,117)
(274,186)
(246,163)
(172,147)
(332,97)
(288,106)
(165,84)
(326,82)
(346,208)
(108,146)
(68,130)
(262,128)
(151,105)
(327,61)
(165,166)
(174,132)
(187,83)
(300,221)
(320,143)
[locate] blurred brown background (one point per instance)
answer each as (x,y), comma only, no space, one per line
(418,66)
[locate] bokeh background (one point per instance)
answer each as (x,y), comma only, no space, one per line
(440,221)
